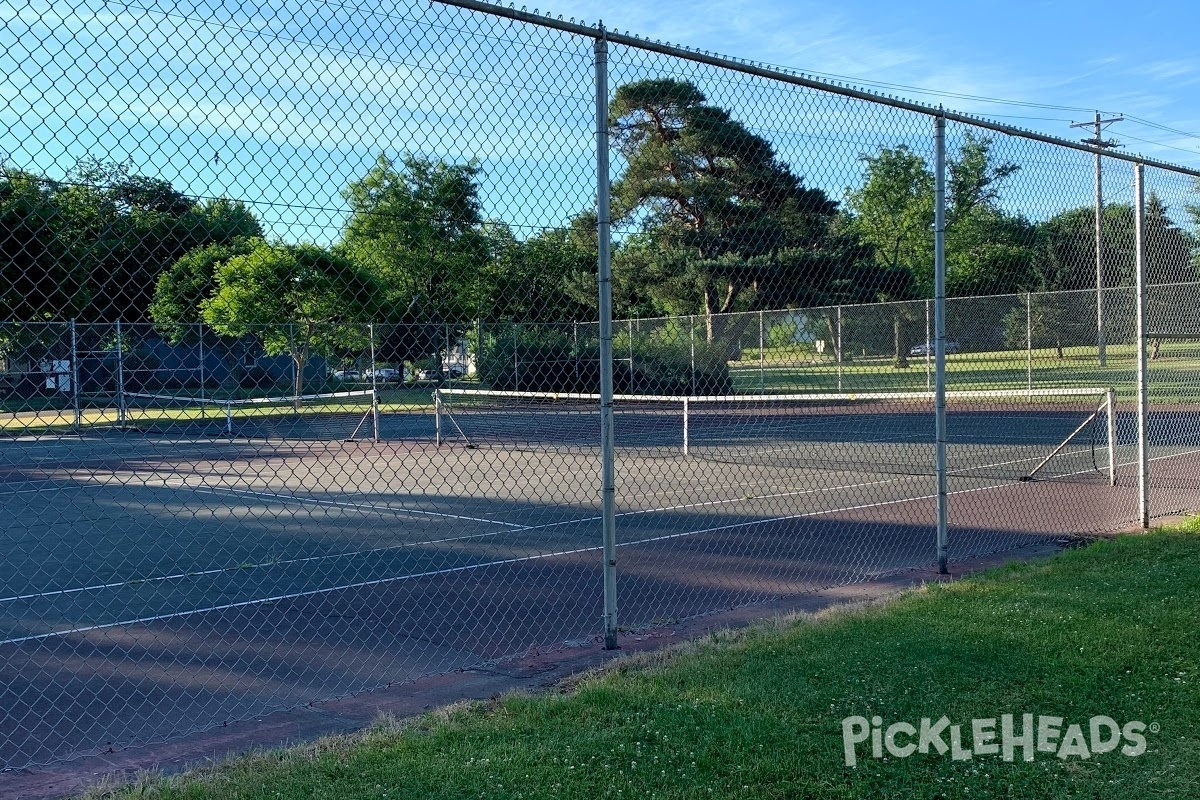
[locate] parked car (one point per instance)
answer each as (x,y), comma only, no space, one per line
(348,375)
(385,375)
(930,348)
(456,371)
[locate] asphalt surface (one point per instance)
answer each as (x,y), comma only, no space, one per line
(156,585)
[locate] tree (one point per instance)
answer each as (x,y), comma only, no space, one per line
(295,299)
(182,288)
(721,218)
(549,277)
(893,212)
(42,273)
(416,226)
(114,232)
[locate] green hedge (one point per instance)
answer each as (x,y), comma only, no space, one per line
(540,358)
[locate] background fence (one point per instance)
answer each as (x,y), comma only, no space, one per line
(310,343)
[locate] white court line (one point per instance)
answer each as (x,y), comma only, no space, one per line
(499,562)
(521,529)
(403,545)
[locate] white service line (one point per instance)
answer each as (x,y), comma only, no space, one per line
(530,528)
(494,563)
(387,548)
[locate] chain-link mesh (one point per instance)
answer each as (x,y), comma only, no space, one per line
(301,355)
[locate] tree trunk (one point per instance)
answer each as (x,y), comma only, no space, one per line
(900,361)
(1154,348)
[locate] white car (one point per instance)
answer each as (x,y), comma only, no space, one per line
(929,348)
(386,375)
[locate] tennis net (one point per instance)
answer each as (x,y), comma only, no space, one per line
(1008,434)
(348,415)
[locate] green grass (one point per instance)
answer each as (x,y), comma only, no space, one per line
(1174,375)
(1109,629)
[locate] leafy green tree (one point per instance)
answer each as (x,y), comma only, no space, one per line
(128,228)
(296,300)
(417,227)
(548,277)
(42,273)
(724,224)
(186,284)
(988,251)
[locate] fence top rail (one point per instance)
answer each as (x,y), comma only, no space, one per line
(598,31)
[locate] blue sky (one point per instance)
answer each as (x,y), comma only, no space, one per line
(282,103)
(1138,59)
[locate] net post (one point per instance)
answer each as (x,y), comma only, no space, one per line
(374,387)
(73,376)
(1029,341)
(1139,192)
(685,426)
(762,379)
(939,324)
(375,416)
(200,335)
(604,276)
(631,354)
(229,417)
(1110,403)
(437,416)
(928,339)
(692,354)
(839,347)
(122,420)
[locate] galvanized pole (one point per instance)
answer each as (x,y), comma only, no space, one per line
(692,353)
(73,376)
(121,412)
(1029,341)
(374,387)
(631,354)
(839,347)
(1110,403)
(939,332)
(1101,345)
(928,340)
(1139,194)
(762,378)
(201,329)
(604,273)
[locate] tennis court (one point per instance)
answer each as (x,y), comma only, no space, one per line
(192,578)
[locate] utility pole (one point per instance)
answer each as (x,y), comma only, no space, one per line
(1097,125)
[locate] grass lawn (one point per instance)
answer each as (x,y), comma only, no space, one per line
(1174,375)
(1106,630)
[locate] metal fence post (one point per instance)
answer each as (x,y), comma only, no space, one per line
(1139,194)
(374,386)
(121,412)
(516,340)
(839,347)
(1101,346)
(73,376)
(631,389)
(200,328)
(692,351)
(1110,402)
(604,275)
(1029,341)
(939,328)
(762,378)
(928,339)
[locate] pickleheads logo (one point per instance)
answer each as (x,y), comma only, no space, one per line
(989,737)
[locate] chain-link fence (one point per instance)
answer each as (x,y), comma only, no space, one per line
(325,365)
